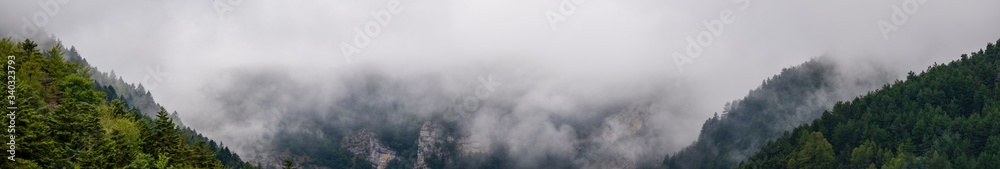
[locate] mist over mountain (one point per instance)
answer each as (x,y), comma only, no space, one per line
(798,95)
(943,117)
(499,83)
(538,125)
(533,119)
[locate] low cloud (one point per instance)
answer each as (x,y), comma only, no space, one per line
(266,66)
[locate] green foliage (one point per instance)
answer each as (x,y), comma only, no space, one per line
(865,155)
(141,160)
(940,161)
(898,162)
(813,152)
(778,105)
(65,120)
(945,117)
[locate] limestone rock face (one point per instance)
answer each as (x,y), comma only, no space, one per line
(467,147)
(364,144)
(430,143)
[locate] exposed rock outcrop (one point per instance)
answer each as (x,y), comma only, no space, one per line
(430,143)
(469,147)
(364,144)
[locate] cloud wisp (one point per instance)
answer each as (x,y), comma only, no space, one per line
(245,71)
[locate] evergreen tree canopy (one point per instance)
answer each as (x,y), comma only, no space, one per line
(945,117)
(67,120)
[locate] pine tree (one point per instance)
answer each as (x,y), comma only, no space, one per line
(814,152)
(64,120)
(944,117)
(204,156)
(166,141)
(864,155)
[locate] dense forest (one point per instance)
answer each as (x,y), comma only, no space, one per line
(795,96)
(135,96)
(70,115)
(945,117)
(66,120)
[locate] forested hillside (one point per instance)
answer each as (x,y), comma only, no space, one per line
(135,95)
(945,117)
(65,120)
(796,96)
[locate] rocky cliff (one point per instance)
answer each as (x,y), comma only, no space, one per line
(364,144)
(430,143)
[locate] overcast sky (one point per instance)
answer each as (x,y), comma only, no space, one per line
(601,43)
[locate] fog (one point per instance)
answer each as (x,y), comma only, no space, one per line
(235,69)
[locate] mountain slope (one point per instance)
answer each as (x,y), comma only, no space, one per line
(135,96)
(945,117)
(65,120)
(797,95)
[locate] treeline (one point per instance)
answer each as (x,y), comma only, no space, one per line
(134,95)
(795,96)
(945,117)
(65,120)
(137,97)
